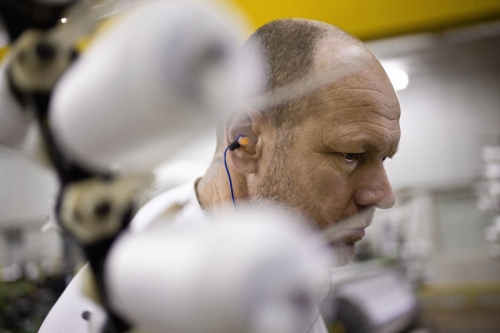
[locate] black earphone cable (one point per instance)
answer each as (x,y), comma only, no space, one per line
(229,177)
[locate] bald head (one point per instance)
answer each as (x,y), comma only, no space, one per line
(300,58)
(289,47)
(295,49)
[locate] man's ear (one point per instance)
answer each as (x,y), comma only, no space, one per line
(252,124)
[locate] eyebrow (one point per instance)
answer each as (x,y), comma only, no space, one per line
(364,143)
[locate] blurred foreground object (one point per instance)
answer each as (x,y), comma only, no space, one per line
(258,273)
(165,70)
(105,118)
(158,86)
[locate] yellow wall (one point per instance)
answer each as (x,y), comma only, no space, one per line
(369,19)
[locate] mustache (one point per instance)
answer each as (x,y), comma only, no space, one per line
(344,231)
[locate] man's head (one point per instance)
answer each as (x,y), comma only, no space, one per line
(319,150)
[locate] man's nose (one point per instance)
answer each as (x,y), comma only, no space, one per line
(376,190)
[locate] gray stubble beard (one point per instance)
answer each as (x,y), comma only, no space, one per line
(280,189)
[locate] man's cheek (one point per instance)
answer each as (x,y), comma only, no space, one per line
(329,183)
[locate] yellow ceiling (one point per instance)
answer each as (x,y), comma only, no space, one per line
(368,19)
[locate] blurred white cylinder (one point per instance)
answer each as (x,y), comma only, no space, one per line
(14,121)
(156,78)
(258,276)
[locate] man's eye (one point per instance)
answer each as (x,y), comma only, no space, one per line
(351,157)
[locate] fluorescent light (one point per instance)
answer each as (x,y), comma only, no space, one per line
(398,77)
(64,20)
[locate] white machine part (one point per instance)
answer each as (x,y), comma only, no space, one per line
(150,82)
(14,121)
(384,302)
(257,274)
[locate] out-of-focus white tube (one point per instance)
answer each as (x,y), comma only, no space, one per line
(14,121)
(164,72)
(257,274)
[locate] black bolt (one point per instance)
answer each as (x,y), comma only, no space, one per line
(86,315)
(103,209)
(45,51)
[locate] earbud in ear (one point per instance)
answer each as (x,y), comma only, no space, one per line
(243,140)
(240,141)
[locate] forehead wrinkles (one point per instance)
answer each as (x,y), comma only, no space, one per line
(361,106)
(365,137)
(360,116)
(369,90)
